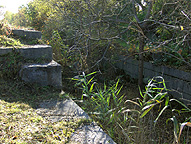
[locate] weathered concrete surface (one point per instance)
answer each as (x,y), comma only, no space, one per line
(36,52)
(28,34)
(178,81)
(43,74)
(67,110)
(32,52)
(90,134)
(4,51)
(61,110)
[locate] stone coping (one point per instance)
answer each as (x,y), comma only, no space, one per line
(28,34)
(32,52)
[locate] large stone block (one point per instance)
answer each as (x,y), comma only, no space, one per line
(42,74)
(4,51)
(36,52)
(28,34)
(33,52)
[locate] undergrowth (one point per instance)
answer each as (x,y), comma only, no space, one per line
(19,122)
(144,119)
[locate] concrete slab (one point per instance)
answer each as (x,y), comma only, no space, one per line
(61,110)
(36,52)
(28,34)
(67,109)
(32,52)
(4,51)
(42,74)
(90,134)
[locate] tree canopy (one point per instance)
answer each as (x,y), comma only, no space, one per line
(93,31)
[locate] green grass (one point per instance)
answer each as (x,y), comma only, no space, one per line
(9,42)
(131,118)
(19,122)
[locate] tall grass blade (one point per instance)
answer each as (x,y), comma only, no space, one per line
(176,127)
(90,80)
(181,104)
(181,128)
(164,108)
(90,74)
(141,92)
(91,88)
(132,102)
(146,111)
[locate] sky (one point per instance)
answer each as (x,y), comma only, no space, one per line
(13,5)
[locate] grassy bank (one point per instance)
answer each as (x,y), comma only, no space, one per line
(19,122)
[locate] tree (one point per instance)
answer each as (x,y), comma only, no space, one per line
(98,30)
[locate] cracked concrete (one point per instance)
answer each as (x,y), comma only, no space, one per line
(66,110)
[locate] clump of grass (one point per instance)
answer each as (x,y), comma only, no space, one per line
(138,120)
(19,122)
(9,42)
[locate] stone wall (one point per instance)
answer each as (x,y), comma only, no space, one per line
(38,66)
(28,34)
(178,81)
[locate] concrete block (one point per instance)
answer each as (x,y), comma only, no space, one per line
(42,74)
(90,134)
(32,34)
(36,52)
(187,96)
(187,88)
(147,65)
(4,51)
(18,32)
(32,52)
(176,94)
(28,34)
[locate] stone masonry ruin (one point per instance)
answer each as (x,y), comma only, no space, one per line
(177,81)
(43,70)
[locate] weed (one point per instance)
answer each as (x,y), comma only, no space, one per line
(140,120)
(19,122)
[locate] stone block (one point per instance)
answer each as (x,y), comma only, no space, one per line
(4,51)
(28,34)
(33,52)
(18,32)
(36,52)
(187,88)
(42,74)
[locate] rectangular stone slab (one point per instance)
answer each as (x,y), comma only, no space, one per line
(28,34)
(36,52)
(42,74)
(32,52)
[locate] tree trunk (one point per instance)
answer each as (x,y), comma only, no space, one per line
(141,60)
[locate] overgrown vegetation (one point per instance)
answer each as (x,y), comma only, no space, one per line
(19,122)
(136,120)
(89,35)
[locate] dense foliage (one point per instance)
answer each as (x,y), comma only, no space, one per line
(90,32)
(89,35)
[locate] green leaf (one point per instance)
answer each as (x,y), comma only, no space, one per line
(91,88)
(90,80)
(181,104)
(146,111)
(90,74)
(160,114)
(176,127)
(167,101)
(132,102)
